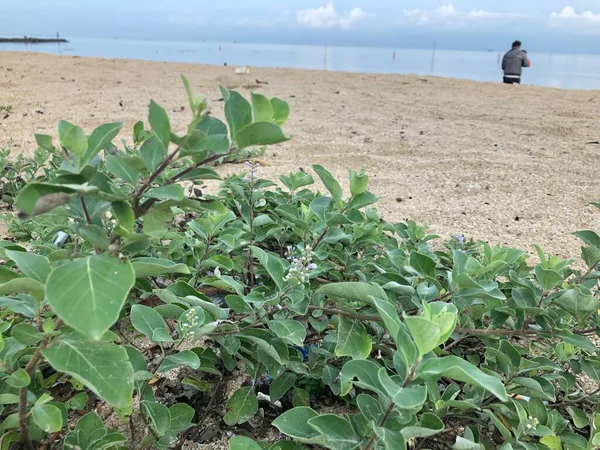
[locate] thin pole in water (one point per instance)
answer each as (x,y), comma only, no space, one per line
(433,56)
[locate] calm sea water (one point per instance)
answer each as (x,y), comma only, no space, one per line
(571,71)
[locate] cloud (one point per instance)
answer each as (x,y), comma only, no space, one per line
(569,17)
(328,17)
(447,14)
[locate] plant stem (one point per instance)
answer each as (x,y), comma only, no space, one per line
(85,211)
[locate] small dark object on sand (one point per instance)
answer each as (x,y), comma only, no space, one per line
(261,82)
(593,143)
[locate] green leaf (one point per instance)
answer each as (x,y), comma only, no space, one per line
(574,339)
(47,417)
(458,369)
(578,301)
(281,385)
(262,109)
(353,339)
(182,415)
(423,264)
(410,397)
(99,139)
(360,292)
(26,334)
(89,293)
(387,311)
(77,402)
(290,330)
(72,138)
(159,121)
(201,173)
(19,379)
(150,323)
(425,333)
(294,423)
(241,406)
(300,397)
(243,443)
(125,217)
(170,192)
(589,237)
(154,267)
(39,198)
(260,133)
(392,440)
(95,235)
(464,444)
(281,110)
(21,285)
(363,374)
(118,167)
(271,263)
(159,416)
(238,112)
(103,367)
(330,182)
(429,425)
(153,152)
(183,358)
(358,182)
(31,265)
(548,279)
(580,418)
(338,432)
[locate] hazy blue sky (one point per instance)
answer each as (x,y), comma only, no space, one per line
(543,25)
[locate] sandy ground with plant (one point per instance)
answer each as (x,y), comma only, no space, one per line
(511,164)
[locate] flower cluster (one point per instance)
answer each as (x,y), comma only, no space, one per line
(532,424)
(300,266)
(191,322)
(253,174)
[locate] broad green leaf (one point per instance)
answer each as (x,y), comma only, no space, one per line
(574,339)
(95,235)
(26,333)
(353,339)
(410,397)
(182,358)
(89,293)
(300,397)
(423,264)
(281,110)
(78,401)
(428,425)
(363,374)
(40,198)
(211,125)
(391,439)
(72,138)
(294,423)
(358,182)
(338,432)
(153,152)
(271,263)
(360,292)
(577,301)
(150,323)
(580,418)
(169,192)
(238,112)
(182,415)
(47,417)
(157,222)
(154,267)
(387,311)
(548,279)
(464,444)
(19,379)
(262,109)
(103,367)
(200,173)
(125,217)
(589,237)
(330,182)
(159,121)
(33,266)
(159,416)
(458,369)
(241,406)
(281,385)
(243,443)
(260,133)
(290,330)
(23,304)
(425,333)
(99,139)
(118,167)
(369,407)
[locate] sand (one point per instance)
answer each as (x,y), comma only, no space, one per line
(509,164)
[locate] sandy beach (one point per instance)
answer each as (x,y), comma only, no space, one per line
(510,164)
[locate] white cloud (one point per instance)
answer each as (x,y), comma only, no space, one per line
(570,17)
(328,17)
(447,14)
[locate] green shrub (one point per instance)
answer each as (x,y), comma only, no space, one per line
(312,294)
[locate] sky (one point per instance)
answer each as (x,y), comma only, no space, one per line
(542,25)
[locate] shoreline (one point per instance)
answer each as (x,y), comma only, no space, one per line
(32,40)
(450,153)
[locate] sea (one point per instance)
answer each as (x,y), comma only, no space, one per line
(559,70)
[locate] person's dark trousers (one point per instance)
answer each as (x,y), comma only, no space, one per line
(508,80)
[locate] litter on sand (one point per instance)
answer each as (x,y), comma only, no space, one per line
(242,70)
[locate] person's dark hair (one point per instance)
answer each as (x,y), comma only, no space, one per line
(516,44)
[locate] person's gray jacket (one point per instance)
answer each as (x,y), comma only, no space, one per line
(514,61)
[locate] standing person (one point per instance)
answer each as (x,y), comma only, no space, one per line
(513,63)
